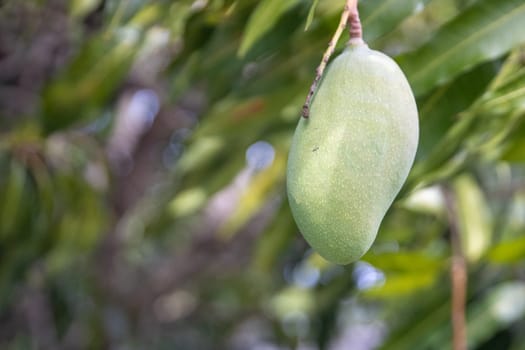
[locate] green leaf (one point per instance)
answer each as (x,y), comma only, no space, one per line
(13,199)
(404,261)
(442,163)
(262,20)
(311,14)
(397,285)
(497,308)
(81,8)
(473,216)
(507,89)
(188,202)
(255,195)
(89,81)
(483,32)
(508,252)
(292,299)
(509,96)
(501,306)
(273,243)
(512,64)
(379,17)
(426,316)
(439,111)
(514,152)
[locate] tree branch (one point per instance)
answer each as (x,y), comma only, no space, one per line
(349,15)
(458,276)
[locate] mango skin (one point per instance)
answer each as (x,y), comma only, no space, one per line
(348,161)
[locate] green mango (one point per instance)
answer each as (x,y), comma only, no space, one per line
(349,159)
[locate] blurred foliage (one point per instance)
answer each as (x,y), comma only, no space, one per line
(142,163)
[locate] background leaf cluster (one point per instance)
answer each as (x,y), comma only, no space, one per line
(142,166)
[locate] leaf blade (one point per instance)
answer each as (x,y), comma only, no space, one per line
(380,17)
(311,14)
(261,21)
(485,31)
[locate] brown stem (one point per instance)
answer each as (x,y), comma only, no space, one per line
(351,14)
(458,276)
(354,28)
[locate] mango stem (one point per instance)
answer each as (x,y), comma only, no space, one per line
(354,28)
(349,15)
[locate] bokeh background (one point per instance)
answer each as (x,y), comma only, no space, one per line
(143,148)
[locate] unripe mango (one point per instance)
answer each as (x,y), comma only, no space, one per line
(349,160)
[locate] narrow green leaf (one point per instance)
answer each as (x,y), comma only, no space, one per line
(404,284)
(81,8)
(404,261)
(13,199)
(473,216)
(148,15)
(88,82)
(419,27)
(484,31)
(379,17)
(255,195)
(439,111)
(262,20)
(507,96)
(507,89)
(508,252)
(188,202)
(514,151)
(428,316)
(442,163)
(311,14)
(501,306)
(512,64)
(272,244)
(488,313)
